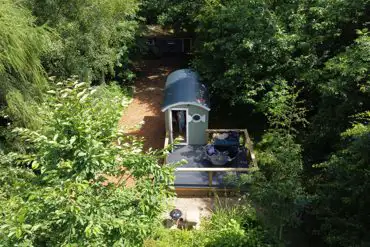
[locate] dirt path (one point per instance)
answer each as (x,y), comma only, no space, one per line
(143,117)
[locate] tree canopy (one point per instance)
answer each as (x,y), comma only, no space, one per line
(93,37)
(303,65)
(79,182)
(22,77)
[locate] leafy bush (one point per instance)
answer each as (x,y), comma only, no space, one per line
(22,78)
(276,188)
(176,14)
(234,226)
(341,202)
(58,192)
(239,46)
(243,46)
(93,37)
(345,92)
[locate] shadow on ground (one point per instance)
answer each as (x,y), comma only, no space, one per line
(143,117)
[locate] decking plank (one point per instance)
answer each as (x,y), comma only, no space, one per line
(194,155)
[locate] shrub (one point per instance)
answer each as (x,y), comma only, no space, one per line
(56,192)
(231,227)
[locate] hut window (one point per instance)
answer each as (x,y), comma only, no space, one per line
(197,118)
(150,42)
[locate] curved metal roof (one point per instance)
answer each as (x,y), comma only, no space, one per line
(183,87)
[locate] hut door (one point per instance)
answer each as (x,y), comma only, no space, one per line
(179,125)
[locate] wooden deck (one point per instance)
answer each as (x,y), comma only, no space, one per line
(198,175)
(195,173)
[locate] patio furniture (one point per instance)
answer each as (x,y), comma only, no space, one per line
(227,139)
(217,157)
(175,214)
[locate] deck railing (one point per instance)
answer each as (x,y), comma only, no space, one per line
(247,141)
(248,144)
(166,142)
(211,170)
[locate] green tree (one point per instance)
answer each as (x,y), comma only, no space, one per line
(282,107)
(344,91)
(61,191)
(243,46)
(247,50)
(178,15)
(22,78)
(277,186)
(93,36)
(341,202)
(238,48)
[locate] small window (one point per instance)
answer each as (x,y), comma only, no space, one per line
(196,118)
(151,42)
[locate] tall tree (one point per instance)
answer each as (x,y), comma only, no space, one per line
(277,185)
(93,37)
(22,77)
(176,14)
(344,91)
(342,204)
(238,48)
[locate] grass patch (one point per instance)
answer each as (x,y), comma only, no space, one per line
(229,226)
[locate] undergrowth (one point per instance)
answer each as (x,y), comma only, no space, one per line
(228,227)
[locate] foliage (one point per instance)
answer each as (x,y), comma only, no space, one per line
(282,108)
(166,238)
(344,93)
(179,15)
(341,196)
(152,9)
(237,43)
(274,54)
(22,78)
(280,163)
(234,226)
(93,36)
(245,45)
(79,137)
(60,191)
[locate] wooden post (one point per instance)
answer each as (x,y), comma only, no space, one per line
(249,145)
(166,143)
(210,178)
(211,169)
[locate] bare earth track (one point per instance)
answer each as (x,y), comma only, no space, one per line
(143,117)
